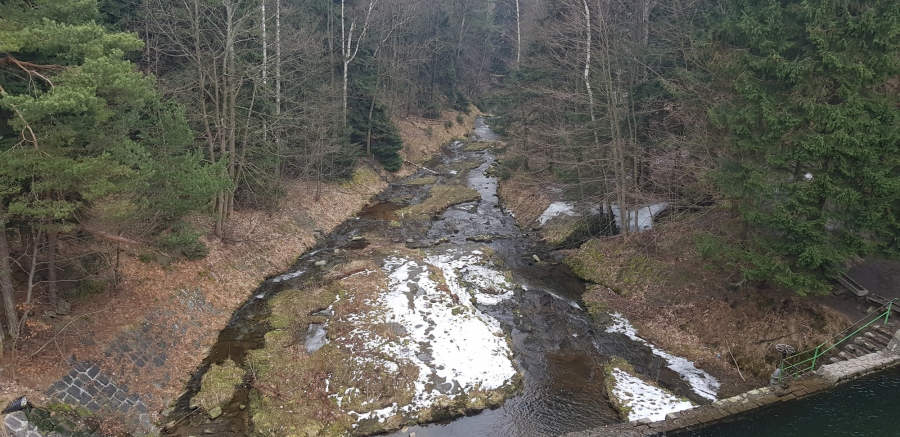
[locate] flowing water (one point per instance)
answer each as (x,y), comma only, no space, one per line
(553,342)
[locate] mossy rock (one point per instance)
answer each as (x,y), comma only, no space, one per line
(218,385)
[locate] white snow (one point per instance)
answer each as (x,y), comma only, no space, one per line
(468,349)
(287,276)
(645,400)
(645,216)
(456,347)
(701,382)
(466,275)
(555,209)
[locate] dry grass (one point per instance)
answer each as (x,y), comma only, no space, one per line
(426,180)
(681,303)
(256,245)
(520,195)
(423,138)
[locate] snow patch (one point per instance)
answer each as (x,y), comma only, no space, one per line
(701,382)
(456,347)
(643,399)
(287,276)
(644,214)
(555,209)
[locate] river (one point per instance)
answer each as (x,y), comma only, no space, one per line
(504,313)
(864,407)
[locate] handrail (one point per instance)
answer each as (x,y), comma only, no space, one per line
(791,367)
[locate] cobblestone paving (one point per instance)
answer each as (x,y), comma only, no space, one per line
(137,353)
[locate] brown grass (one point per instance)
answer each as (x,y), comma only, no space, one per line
(681,303)
(423,138)
(521,196)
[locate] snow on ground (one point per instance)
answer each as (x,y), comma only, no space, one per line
(466,275)
(456,347)
(644,400)
(555,209)
(701,382)
(467,348)
(644,216)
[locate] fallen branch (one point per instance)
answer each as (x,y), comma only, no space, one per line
(419,166)
(30,67)
(53,340)
(736,364)
(111,237)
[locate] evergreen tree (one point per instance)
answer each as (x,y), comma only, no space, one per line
(82,133)
(815,163)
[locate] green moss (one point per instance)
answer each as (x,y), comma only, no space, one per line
(426,180)
(442,197)
(609,383)
(218,385)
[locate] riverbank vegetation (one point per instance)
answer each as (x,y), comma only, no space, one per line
(124,124)
(150,146)
(783,114)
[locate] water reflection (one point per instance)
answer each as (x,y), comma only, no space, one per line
(866,407)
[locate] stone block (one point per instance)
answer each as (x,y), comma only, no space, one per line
(93,406)
(109,390)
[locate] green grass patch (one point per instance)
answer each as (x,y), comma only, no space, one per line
(218,385)
(425,180)
(442,197)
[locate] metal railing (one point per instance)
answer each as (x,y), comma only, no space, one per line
(803,362)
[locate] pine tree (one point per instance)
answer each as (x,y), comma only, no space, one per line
(815,163)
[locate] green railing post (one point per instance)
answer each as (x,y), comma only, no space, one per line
(888,313)
(815,356)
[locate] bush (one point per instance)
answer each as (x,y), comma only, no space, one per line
(184,241)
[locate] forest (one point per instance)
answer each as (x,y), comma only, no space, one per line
(119,119)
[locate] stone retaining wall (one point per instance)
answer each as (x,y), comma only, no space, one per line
(826,377)
(100,385)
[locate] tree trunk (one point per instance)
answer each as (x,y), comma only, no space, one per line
(6,285)
(518,36)
(52,239)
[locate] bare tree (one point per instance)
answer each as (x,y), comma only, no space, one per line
(349,44)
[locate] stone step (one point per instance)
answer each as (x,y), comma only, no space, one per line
(846,356)
(877,338)
(884,329)
(865,344)
(853,350)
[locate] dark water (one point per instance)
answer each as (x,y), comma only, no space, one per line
(868,407)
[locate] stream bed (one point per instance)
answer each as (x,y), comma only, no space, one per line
(431,306)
